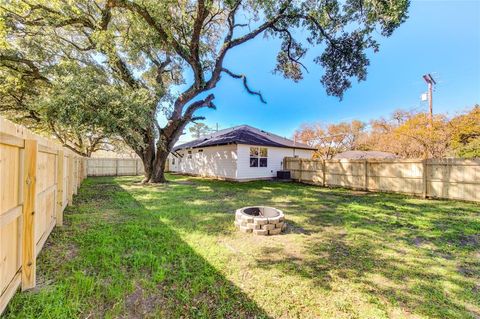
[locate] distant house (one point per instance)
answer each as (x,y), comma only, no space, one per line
(365,155)
(239,153)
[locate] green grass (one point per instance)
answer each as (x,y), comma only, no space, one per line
(171,251)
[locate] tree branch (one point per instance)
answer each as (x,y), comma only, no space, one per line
(228,43)
(207,102)
(202,14)
(164,37)
(289,46)
(34,70)
(197,118)
(245,84)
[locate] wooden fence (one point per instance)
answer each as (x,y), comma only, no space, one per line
(444,178)
(38,179)
(114,166)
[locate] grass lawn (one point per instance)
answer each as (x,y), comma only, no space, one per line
(172,251)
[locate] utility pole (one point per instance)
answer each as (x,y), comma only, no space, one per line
(430,82)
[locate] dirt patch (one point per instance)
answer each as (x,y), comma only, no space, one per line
(419,241)
(465,271)
(295,229)
(98,193)
(469,240)
(70,251)
(141,304)
(476,289)
(469,269)
(42,282)
(64,251)
(446,255)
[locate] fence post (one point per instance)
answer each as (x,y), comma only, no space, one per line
(70,180)
(116,167)
(80,170)
(324,167)
(60,173)
(424,178)
(366,174)
(301,170)
(74,175)
(77,175)
(28,212)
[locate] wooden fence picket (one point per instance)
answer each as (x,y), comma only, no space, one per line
(443,178)
(32,192)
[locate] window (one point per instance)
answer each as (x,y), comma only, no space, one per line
(189,156)
(263,162)
(263,152)
(258,157)
(173,161)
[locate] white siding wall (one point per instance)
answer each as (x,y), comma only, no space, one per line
(215,161)
(274,163)
(172,166)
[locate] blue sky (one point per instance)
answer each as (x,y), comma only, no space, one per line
(440,37)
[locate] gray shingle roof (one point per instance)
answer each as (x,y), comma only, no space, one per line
(243,134)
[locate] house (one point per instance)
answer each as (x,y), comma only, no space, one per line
(365,155)
(239,153)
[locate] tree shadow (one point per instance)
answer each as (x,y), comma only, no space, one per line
(128,263)
(404,251)
(394,249)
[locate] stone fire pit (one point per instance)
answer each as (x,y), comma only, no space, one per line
(260,220)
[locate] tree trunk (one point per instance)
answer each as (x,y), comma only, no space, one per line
(158,172)
(147,157)
(168,137)
(146,152)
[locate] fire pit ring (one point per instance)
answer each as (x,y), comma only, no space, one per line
(260,220)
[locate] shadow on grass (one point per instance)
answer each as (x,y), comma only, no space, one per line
(413,253)
(417,256)
(120,253)
(115,258)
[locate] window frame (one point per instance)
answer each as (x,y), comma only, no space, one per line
(258,155)
(260,161)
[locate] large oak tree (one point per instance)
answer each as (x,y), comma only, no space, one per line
(77,105)
(148,45)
